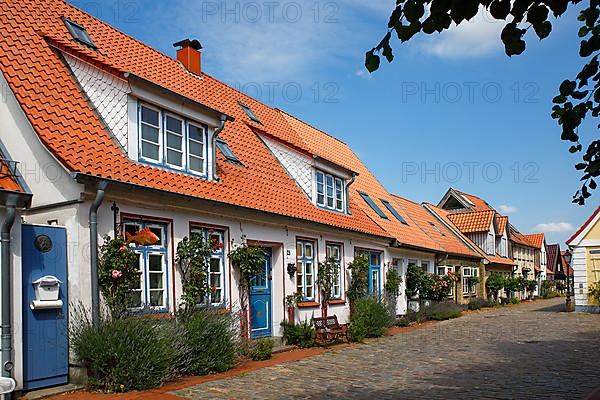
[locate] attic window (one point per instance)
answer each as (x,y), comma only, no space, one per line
(437,229)
(393,211)
(79,33)
(372,204)
(226,150)
(249,113)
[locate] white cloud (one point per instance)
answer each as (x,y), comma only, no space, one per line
(554,227)
(475,38)
(363,74)
(508,209)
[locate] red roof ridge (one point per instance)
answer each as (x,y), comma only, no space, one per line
(582,227)
(311,125)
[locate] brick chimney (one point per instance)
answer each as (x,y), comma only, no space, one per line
(189,55)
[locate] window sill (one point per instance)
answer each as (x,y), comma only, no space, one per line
(308,304)
(336,302)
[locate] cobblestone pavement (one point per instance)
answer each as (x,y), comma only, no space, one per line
(530,351)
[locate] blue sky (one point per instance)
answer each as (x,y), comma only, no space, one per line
(451,110)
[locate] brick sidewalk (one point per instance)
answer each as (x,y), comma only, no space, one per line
(529,351)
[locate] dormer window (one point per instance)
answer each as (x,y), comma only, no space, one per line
(171,141)
(330,191)
(79,33)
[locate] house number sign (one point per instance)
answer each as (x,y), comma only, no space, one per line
(43,243)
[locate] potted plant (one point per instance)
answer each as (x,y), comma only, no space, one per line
(291,302)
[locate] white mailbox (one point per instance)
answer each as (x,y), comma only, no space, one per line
(46,290)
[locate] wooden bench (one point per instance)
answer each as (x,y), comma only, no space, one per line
(329,330)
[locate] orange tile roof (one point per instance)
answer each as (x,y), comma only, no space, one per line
(433,228)
(518,238)
(502,221)
(7,178)
(583,226)
(68,126)
(473,221)
(478,203)
(446,215)
(536,238)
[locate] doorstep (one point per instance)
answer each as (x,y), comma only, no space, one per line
(53,391)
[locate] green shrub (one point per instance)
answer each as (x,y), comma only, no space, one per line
(514,300)
(550,294)
(262,349)
(474,305)
(213,340)
(440,311)
(370,318)
(128,354)
(301,335)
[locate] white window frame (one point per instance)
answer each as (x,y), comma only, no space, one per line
(162,141)
(145,252)
(160,134)
(466,274)
(446,269)
(334,192)
(217,254)
(302,261)
(328,248)
(183,149)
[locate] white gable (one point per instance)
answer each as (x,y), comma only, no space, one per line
(298,165)
(107,93)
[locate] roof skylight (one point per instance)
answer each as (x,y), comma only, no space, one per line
(372,204)
(79,33)
(249,113)
(393,211)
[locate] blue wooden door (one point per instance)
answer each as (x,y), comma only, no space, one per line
(260,300)
(374,274)
(45,331)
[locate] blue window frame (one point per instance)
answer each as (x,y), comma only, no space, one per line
(305,275)
(374,258)
(226,150)
(171,141)
(331,193)
(151,290)
(79,33)
(393,211)
(372,204)
(249,113)
(216,271)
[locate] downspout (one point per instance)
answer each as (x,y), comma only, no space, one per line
(6,336)
(348,194)
(94,251)
(214,146)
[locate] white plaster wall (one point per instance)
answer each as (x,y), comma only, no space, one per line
(298,165)
(46,178)
(107,93)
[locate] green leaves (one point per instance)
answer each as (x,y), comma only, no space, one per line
(576,98)
(512,38)
(372,61)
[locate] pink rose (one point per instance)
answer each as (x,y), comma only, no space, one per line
(116,274)
(123,248)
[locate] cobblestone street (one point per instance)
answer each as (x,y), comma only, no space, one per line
(523,352)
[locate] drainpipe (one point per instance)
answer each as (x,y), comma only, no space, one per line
(214,146)
(94,251)
(348,193)
(6,336)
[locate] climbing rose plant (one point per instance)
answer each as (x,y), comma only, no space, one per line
(118,273)
(437,287)
(359,282)
(326,275)
(192,258)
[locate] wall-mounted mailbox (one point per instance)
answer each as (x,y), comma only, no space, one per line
(46,290)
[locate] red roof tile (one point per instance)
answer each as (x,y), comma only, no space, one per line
(478,203)
(585,224)
(68,126)
(536,238)
(520,239)
(446,215)
(7,178)
(502,221)
(473,221)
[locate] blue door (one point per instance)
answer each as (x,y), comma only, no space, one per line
(375,274)
(260,300)
(45,331)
